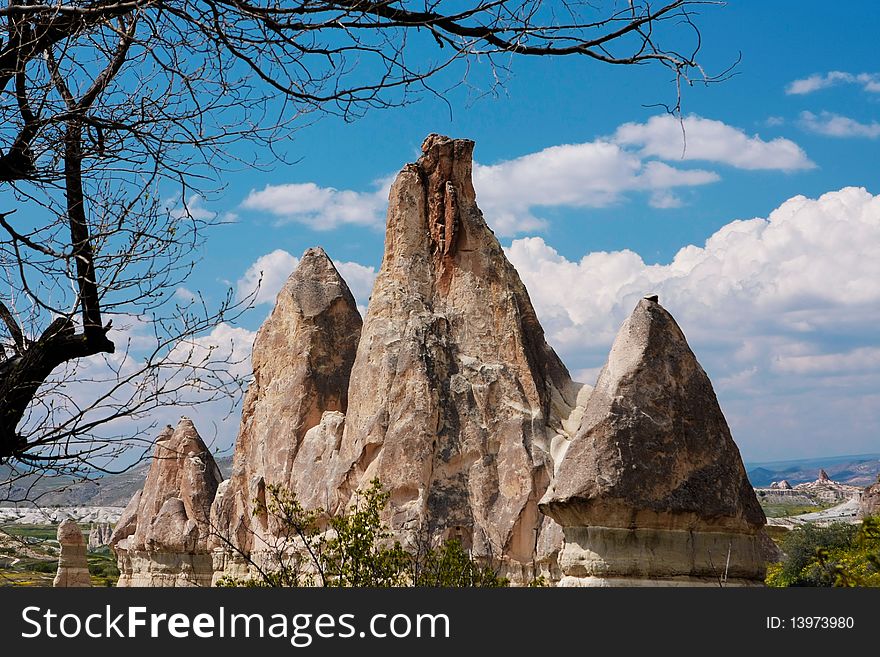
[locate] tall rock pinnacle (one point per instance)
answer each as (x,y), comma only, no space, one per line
(456,400)
(161,538)
(302,359)
(652,489)
(73,565)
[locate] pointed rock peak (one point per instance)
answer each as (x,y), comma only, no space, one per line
(302,360)
(653,448)
(184,440)
(314,285)
(446,166)
(165,434)
(823,476)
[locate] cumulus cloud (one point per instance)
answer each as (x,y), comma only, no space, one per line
(696,138)
(780,311)
(321,208)
(264,279)
(868,81)
(835,125)
(513,193)
(592,174)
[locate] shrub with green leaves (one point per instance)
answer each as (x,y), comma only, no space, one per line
(837,555)
(354,549)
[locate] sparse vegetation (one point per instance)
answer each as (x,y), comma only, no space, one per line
(34,557)
(837,555)
(787,510)
(354,549)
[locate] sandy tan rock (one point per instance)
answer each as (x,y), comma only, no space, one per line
(161,538)
(302,358)
(456,400)
(73,567)
(870,502)
(99,535)
(652,490)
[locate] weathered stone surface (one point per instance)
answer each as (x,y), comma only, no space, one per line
(456,401)
(73,567)
(870,502)
(652,490)
(161,538)
(99,535)
(302,359)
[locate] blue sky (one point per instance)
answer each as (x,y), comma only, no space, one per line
(587,188)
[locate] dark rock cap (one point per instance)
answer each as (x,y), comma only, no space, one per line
(654,449)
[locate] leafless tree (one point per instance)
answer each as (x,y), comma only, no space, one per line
(115,113)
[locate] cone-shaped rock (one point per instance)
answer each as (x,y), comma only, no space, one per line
(652,490)
(456,400)
(302,360)
(161,538)
(73,567)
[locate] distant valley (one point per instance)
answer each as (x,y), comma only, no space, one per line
(855,470)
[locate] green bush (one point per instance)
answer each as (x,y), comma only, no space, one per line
(836,555)
(354,549)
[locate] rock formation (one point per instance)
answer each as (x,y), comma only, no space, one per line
(99,535)
(73,567)
(870,502)
(162,537)
(652,490)
(456,404)
(302,358)
(826,491)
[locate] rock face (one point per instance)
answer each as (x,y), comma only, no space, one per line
(161,538)
(870,502)
(73,568)
(99,535)
(823,476)
(652,490)
(456,403)
(302,360)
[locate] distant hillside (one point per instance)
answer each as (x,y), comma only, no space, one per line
(858,470)
(109,490)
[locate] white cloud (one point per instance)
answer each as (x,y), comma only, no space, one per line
(271,271)
(595,174)
(225,344)
(782,313)
(185,295)
(591,174)
(264,279)
(359,278)
(835,125)
(868,81)
(321,208)
(696,138)
(664,199)
(194,208)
